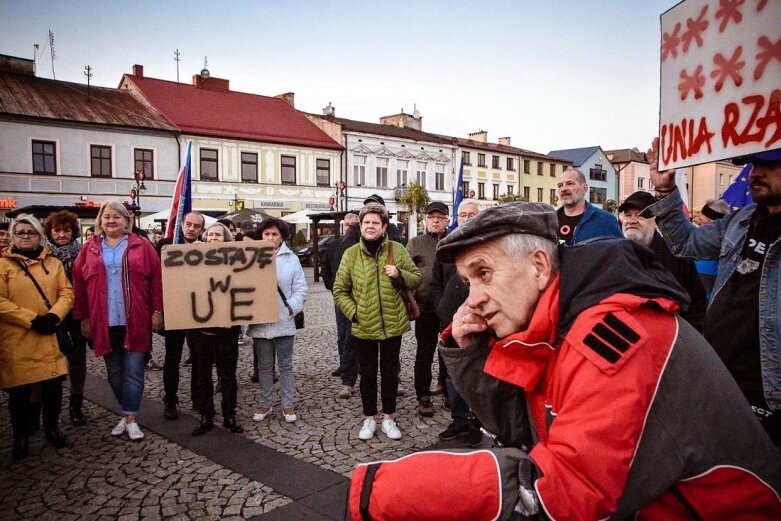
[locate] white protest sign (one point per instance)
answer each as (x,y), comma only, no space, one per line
(720,80)
(219,284)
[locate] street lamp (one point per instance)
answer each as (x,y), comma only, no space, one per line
(135,194)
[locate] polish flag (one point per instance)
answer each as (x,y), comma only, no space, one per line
(181,202)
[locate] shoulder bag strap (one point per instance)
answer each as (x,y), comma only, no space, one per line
(289,309)
(35,282)
(390,252)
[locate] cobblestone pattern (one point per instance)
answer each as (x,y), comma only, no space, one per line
(326,432)
(99,476)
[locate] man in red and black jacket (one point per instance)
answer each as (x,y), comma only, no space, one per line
(629,411)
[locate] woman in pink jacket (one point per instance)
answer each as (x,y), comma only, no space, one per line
(119,300)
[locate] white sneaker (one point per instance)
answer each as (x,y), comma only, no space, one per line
(134,432)
(368,428)
(290,418)
(345,392)
(260,416)
(389,428)
(119,430)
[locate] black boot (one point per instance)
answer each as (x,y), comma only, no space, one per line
(170,412)
(55,438)
(20,450)
(34,418)
(74,411)
(230,423)
(207,424)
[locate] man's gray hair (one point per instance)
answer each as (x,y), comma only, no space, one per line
(519,245)
(718,205)
(581,177)
(475,202)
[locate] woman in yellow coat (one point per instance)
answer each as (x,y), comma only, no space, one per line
(29,352)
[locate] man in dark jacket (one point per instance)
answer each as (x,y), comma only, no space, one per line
(329,265)
(193,225)
(578,219)
(643,231)
(621,428)
(422,249)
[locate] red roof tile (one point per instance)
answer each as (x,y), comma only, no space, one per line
(232,115)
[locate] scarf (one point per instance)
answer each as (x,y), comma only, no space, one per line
(66,254)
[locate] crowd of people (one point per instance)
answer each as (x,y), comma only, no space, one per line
(584,340)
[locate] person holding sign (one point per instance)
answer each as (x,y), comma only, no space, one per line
(119,300)
(278,337)
(208,346)
(742,323)
(366,289)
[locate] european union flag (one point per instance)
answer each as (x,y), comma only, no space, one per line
(738,194)
(458,198)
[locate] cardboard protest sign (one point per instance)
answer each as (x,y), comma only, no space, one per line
(219,284)
(720,80)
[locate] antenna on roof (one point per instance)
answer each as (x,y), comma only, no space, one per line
(35,57)
(415,111)
(51,48)
(205,71)
(176,59)
(88,74)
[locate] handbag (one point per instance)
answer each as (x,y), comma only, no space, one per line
(64,340)
(299,317)
(413,311)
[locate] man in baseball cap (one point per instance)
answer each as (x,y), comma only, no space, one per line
(374,198)
(743,322)
(585,338)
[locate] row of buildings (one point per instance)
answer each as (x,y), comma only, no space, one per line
(67,144)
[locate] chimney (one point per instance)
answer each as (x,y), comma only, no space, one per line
(504,141)
(138,70)
(330,110)
(480,135)
(206,82)
(403,120)
(289,97)
(17,65)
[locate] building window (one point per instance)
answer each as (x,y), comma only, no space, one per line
(249,167)
(439,180)
(598,195)
(509,189)
(721,179)
(288,170)
(421,173)
(323,172)
(402,167)
(359,170)
(597,174)
(44,157)
(526,192)
(481,190)
(730,179)
(496,192)
(553,170)
(526,166)
(208,164)
(144,159)
(553,196)
(100,160)
(465,158)
(382,172)
(539,195)
(539,167)
(510,164)
(480,159)
(640,182)
(495,162)
(465,188)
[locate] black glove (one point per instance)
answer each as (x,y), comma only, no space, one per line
(45,324)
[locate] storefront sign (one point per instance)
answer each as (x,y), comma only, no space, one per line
(272,204)
(9,203)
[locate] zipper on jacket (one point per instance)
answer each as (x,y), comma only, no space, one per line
(379,294)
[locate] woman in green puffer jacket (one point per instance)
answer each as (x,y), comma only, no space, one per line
(366,290)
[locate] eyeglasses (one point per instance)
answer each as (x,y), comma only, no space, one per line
(436,217)
(28,233)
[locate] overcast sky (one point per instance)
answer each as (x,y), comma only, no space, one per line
(551,74)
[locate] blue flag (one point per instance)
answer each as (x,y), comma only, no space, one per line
(738,194)
(458,197)
(181,202)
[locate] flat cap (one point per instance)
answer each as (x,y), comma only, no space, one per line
(436,206)
(529,218)
(374,198)
(639,200)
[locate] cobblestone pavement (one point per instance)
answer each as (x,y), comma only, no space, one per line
(101,477)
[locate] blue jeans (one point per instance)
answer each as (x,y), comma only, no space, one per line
(348,357)
(125,372)
(265,349)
